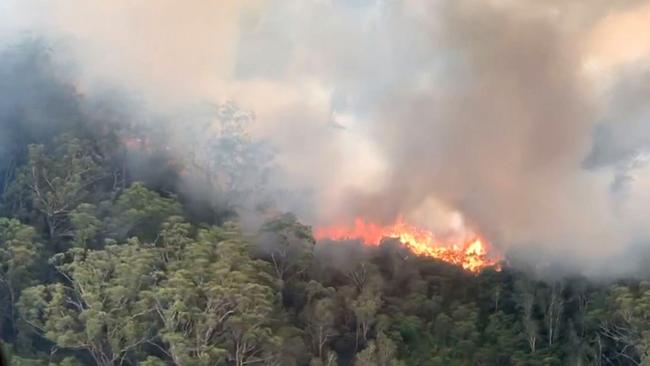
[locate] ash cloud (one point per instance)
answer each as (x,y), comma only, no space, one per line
(523,120)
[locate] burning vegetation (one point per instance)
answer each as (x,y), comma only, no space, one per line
(471,252)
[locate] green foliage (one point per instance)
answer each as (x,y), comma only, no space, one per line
(381,352)
(139,212)
(288,245)
(86,224)
(54,181)
(153,361)
(628,321)
(20,254)
(102,306)
(132,279)
(319,317)
(215,301)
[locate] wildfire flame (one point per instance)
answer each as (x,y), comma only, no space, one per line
(470,254)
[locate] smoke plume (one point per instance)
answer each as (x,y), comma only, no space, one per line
(524,120)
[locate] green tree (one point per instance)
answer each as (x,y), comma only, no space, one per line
(525,298)
(504,338)
(464,332)
(140,212)
(86,225)
(20,254)
(289,246)
(379,352)
(365,308)
(628,323)
(54,181)
(216,302)
(319,316)
(553,305)
(102,307)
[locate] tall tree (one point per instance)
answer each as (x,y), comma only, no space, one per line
(227,159)
(628,323)
(20,254)
(319,316)
(380,352)
(553,308)
(102,306)
(525,298)
(216,302)
(365,308)
(140,211)
(55,180)
(289,246)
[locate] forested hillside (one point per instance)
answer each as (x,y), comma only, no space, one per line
(105,260)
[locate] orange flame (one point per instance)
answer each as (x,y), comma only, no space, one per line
(471,254)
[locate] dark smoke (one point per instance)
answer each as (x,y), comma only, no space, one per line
(37,102)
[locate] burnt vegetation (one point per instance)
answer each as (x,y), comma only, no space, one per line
(107,259)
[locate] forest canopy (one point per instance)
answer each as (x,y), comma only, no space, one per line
(106,258)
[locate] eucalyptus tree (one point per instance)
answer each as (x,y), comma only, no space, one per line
(20,257)
(102,305)
(216,302)
(55,180)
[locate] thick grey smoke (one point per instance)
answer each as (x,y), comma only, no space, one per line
(523,120)
(502,137)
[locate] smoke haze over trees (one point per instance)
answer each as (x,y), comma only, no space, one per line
(510,115)
(160,170)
